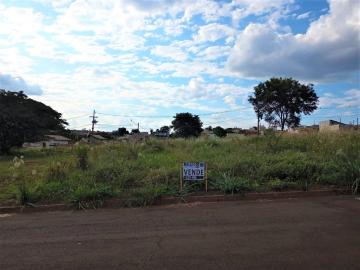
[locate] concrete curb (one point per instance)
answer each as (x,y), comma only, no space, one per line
(254,196)
(118,203)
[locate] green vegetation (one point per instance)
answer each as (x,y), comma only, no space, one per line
(24,119)
(142,173)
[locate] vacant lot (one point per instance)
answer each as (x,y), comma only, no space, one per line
(140,173)
(311,233)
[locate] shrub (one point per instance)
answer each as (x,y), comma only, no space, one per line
(230,184)
(110,175)
(84,197)
(23,195)
(348,161)
(51,191)
(81,152)
(280,185)
(147,195)
(57,171)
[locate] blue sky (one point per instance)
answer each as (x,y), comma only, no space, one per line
(145,60)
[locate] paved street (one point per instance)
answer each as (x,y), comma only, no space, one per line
(307,233)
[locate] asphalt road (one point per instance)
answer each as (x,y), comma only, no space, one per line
(307,233)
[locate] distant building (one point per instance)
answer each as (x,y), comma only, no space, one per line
(234,135)
(160,135)
(49,141)
(332,125)
(206,133)
(304,129)
(95,138)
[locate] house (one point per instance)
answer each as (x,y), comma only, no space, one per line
(304,129)
(95,139)
(160,135)
(206,133)
(49,141)
(332,125)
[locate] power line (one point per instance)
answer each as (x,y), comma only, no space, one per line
(165,116)
(80,126)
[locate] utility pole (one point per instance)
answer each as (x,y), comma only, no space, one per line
(139,127)
(94,121)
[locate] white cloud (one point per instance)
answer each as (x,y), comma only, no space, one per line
(351,98)
(171,52)
(258,7)
(212,32)
(197,87)
(231,101)
(328,50)
(11,83)
(214,52)
(303,15)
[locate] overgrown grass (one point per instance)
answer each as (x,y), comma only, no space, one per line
(146,171)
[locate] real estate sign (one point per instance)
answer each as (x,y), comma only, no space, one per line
(193,171)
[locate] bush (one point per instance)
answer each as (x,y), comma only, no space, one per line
(51,191)
(57,171)
(280,185)
(23,194)
(147,195)
(84,197)
(81,153)
(348,161)
(230,184)
(109,175)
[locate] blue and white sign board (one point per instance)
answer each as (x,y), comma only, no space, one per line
(194,171)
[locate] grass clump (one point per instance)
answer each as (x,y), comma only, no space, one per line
(147,195)
(82,153)
(232,184)
(86,197)
(280,185)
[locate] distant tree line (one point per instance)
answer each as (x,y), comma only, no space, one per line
(278,101)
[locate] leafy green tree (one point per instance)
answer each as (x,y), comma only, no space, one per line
(281,101)
(219,131)
(186,125)
(24,119)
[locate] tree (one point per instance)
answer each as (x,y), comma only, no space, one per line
(24,119)
(122,132)
(186,125)
(219,131)
(281,101)
(258,103)
(165,129)
(134,131)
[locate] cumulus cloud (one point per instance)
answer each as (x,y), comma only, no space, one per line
(197,87)
(231,101)
(351,98)
(213,32)
(329,50)
(10,83)
(171,52)
(214,52)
